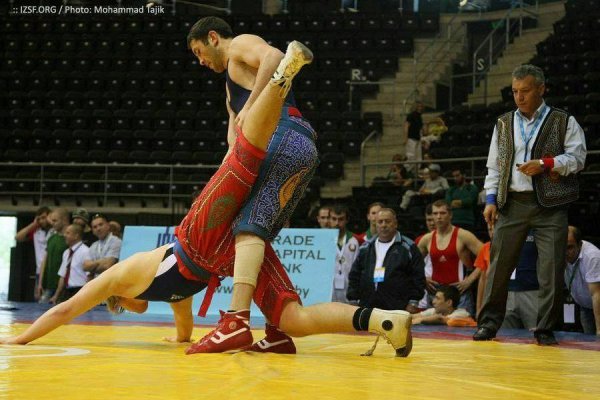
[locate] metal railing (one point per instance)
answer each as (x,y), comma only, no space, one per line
(351,89)
(470,160)
(42,179)
(429,59)
(496,41)
(362,155)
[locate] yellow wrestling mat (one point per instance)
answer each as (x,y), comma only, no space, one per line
(131,362)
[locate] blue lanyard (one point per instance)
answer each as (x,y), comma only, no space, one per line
(527,137)
(575,269)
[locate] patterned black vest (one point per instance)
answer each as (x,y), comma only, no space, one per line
(551,188)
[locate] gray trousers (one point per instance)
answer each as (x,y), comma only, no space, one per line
(520,214)
(521,310)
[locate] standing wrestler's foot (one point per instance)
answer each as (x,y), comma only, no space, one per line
(275,342)
(232,333)
(296,56)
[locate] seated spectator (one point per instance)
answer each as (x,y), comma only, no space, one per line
(444,308)
(432,132)
(82,218)
(399,175)
(388,272)
(432,185)
(462,198)
(104,253)
(72,276)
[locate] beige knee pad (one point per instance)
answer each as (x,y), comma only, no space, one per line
(249,255)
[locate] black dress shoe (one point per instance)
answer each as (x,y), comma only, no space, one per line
(545,338)
(484,333)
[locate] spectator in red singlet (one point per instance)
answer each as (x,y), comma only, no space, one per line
(452,250)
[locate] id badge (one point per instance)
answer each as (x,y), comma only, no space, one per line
(379,274)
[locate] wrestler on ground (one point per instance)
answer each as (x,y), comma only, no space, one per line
(248,62)
(204,251)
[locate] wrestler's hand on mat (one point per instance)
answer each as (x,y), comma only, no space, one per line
(174,339)
(490,214)
(10,340)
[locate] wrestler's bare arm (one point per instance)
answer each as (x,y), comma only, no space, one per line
(184,321)
(424,244)
(231,133)
(128,278)
(251,55)
(470,241)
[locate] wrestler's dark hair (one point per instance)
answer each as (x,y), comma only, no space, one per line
(200,29)
(450,293)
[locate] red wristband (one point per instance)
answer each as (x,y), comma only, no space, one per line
(548,163)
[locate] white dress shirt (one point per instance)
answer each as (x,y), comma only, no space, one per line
(585,270)
(77,276)
(570,162)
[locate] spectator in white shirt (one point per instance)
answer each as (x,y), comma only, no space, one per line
(104,253)
(38,232)
(72,275)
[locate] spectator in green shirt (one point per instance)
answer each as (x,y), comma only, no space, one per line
(55,247)
(462,198)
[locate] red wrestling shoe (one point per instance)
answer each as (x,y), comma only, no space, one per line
(232,333)
(275,342)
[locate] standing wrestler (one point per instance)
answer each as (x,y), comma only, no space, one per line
(205,250)
(452,250)
(249,62)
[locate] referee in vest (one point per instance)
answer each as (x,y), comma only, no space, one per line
(535,155)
